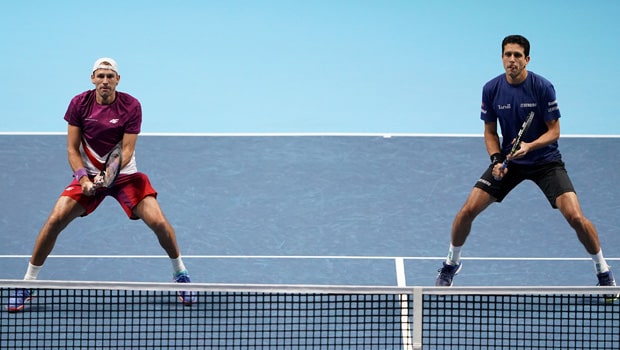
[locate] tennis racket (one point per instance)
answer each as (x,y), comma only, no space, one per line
(111,168)
(517,144)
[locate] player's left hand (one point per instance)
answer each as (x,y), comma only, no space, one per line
(98,180)
(524,148)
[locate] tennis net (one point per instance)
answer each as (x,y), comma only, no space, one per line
(111,315)
(149,316)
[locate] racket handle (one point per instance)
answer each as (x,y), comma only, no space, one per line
(504,165)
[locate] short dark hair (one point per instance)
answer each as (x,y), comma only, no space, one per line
(519,40)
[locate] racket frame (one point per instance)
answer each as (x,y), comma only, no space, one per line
(116,152)
(517,144)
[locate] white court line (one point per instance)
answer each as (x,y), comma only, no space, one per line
(343,257)
(263,134)
(400,272)
(404,305)
(285,134)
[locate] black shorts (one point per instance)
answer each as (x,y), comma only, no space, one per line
(551,178)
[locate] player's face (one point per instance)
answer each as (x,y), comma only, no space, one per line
(515,61)
(105,81)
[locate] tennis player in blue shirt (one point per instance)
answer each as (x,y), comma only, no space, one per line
(507,99)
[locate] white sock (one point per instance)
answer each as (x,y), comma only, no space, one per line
(454,255)
(33,272)
(600,265)
(177,265)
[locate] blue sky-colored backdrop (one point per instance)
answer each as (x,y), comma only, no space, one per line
(279,66)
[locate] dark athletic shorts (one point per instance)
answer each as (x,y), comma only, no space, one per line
(551,178)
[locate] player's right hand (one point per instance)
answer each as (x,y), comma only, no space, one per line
(499,172)
(88,188)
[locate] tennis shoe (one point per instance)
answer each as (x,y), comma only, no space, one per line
(606,279)
(18,300)
(186,297)
(446,274)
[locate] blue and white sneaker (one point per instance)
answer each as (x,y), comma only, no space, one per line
(606,279)
(446,274)
(18,300)
(186,297)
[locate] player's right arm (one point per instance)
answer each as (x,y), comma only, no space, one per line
(491,141)
(74,138)
(491,138)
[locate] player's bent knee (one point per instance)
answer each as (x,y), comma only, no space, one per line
(577,220)
(466,214)
(159,225)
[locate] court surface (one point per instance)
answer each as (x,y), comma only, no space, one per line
(327,210)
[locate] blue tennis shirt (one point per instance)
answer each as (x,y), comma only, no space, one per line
(510,104)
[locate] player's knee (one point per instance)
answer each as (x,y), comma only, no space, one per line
(466,214)
(160,225)
(576,219)
(57,221)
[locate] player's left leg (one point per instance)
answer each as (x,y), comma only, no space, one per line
(149,210)
(568,204)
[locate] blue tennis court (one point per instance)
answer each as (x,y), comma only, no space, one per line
(327,210)
(364,216)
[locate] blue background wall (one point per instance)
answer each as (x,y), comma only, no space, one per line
(305,66)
